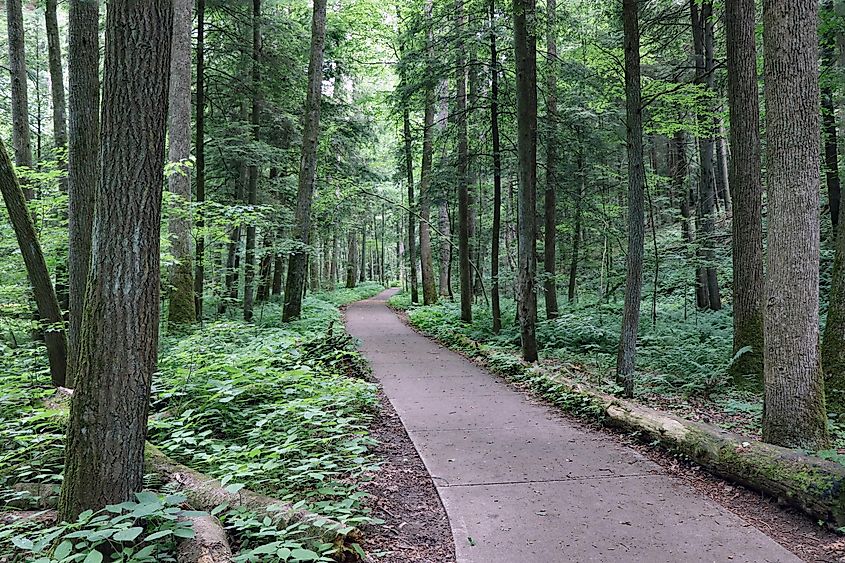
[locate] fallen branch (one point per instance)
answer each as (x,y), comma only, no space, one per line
(206,493)
(209,544)
(809,483)
(43,516)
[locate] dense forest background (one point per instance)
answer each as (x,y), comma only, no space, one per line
(644,198)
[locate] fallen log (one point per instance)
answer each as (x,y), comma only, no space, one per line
(809,483)
(209,544)
(205,493)
(42,516)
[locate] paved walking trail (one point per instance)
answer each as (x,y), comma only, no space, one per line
(521,485)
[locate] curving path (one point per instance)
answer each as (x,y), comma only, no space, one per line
(522,485)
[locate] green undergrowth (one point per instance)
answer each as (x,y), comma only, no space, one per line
(281,409)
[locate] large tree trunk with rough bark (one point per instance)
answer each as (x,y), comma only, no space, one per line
(21,139)
(49,312)
(182,309)
(497,174)
(297,263)
(83,159)
(525,50)
(550,200)
(626,358)
(104,460)
(794,413)
(57,80)
(254,171)
(352,261)
(746,185)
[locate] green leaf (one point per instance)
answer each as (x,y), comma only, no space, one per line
(22,543)
(184,533)
(128,534)
(301,554)
(93,557)
(234,488)
(63,550)
(158,535)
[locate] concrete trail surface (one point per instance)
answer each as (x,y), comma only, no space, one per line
(521,485)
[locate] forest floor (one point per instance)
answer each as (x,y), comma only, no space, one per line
(521,482)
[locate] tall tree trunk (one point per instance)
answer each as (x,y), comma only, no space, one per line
(497,173)
(426,258)
(461,168)
(626,359)
(703,41)
(746,185)
(252,190)
(550,204)
(199,270)
(49,312)
(104,459)
(722,168)
(577,227)
(21,141)
(182,308)
(265,270)
(233,256)
(525,49)
(833,341)
(362,271)
(679,178)
(409,175)
(83,158)
(794,414)
(352,261)
(57,80)
(308,167)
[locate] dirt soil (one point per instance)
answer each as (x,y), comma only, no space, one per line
(416,528)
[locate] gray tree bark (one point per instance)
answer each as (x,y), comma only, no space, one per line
(497,174)
(83,159)
(461,167)
(308,167)
(525,50)
(426,257)
(252,189)
(550,204)
(104,460)
(182,309)
(21,139)
(746,185)
(57,80)
(626,358)
(794,414)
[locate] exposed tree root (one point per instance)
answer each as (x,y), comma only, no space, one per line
(205,493)
(209,544)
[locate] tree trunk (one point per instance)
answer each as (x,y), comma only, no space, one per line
(83,158)
(746,185)
(794,414)
(461,168)
(21,141)
(308,167)
(723,182)
(426,257)
(49,312)
(182,308)
(199,271)
(254,171)
(265,270)
(525,49)
(497,173)
(278,270)
(550,204)
(702,28)
(351,261)
(335,264)
(626,358)
(362,271)
(409,174)
(104,460)
(577,227)
(57,80)
(679,178)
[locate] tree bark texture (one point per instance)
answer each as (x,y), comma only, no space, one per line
(426,258)
(308,167)
(550,203)
(182,309)
(83,159)
(525,50)
(57,80)
(495,300)
(199,270)
(747,191)
(626,358)
(104,461)
(794,413)
(49,312)
(461,167)
(21,138)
